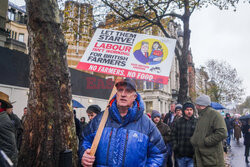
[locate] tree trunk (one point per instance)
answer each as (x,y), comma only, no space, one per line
(183,63)
(49,127)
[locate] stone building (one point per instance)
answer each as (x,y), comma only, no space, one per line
(78,29)
(16,27)
(3,12)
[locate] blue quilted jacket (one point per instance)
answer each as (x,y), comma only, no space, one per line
(130,141)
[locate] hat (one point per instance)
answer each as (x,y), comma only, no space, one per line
(155,114)
(187,105)
(94,108)
(203,100)
(128,81)
(178,107)
(4,98)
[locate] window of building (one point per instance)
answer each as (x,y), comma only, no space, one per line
(149,106)
(21,37)
(85,30)
(11,15)
(15,35)
(148,85)
(158,86)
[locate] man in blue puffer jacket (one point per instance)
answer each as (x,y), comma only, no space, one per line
(129,138)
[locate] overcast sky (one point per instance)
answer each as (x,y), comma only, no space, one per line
(221,35)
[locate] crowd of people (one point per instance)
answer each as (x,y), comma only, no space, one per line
(235,128)
(181,138)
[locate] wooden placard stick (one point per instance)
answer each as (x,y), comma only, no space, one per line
(103,121)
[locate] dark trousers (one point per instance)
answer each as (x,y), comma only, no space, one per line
(247,151)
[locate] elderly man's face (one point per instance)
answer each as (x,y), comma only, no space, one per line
(125,96)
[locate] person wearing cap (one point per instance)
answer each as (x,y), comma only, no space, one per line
(209,134)
(181,134)
(178,115)
(92,111)
(129,137)
(17,124)
(7,129)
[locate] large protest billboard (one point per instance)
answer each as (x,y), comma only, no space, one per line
(128,54)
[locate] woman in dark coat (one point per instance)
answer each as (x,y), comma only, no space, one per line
(246,134)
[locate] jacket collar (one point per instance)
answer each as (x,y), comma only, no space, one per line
(202,112)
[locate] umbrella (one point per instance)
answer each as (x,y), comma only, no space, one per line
(245,117)
(76,104)
(217,106)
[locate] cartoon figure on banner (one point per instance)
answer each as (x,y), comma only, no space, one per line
(156,55)
(142,54)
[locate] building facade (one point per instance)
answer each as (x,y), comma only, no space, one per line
(78,29)
(16,27)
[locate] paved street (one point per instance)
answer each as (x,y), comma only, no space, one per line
(237,154)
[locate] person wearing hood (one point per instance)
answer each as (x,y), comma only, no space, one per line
(129,137)
(209,133)
(181,134)
(92,111)
(229,124)
(163,128)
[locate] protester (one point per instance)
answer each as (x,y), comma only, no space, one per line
(83,122)
(17,124)
(209,133)
(178,115)
(229,124)
(129,137)
(237,129)
(181,134)
(78,127)
(7,130)
(92,111)
(246,134)
(25,110)
(163,128)
(169,117)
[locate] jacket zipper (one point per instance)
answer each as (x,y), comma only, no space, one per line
(125,148)
(109,146)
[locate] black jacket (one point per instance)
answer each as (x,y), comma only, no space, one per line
(7,137)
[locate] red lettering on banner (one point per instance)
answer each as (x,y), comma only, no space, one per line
(112,46)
